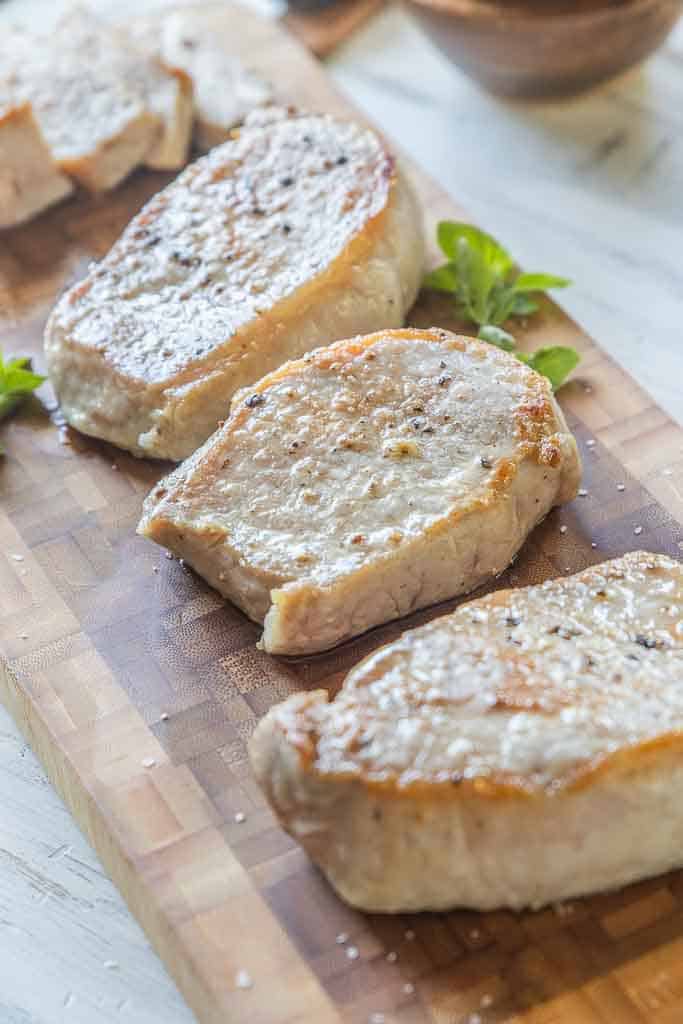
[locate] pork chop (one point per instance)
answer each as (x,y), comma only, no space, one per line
(525,749)
(369,479)
(225,89)
(166,90)
(98,126)
(297,232)
(29,179)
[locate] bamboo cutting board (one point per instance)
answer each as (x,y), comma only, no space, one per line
(138,687)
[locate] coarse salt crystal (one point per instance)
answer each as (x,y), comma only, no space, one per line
(169,555)
(563,529)
(590,443)
(409,935)
(148,762)
(352,952)
(240,816)
(637,530)
(164,716)
(408,988)
(475,934)
(392,957)
(667,472)
(621,487)
(342,938)
(486,1001)
(243,979)
(593,544)
(18,558)
(111,965)
(376,1018)
(583,493)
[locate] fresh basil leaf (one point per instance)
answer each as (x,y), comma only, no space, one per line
(522,305)
(449,233)
(479,276)
(443,279)
(497,336)
(555,363)
(539,282)
(16,381)
(502,303)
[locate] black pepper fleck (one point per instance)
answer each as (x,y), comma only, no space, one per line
(564,632)
(254,400)
(185,261)
(649,643)
(341,160)
(286,182)
(486,462)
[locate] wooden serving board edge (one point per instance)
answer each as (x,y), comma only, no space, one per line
(35,728)
(95,817)
(172,930)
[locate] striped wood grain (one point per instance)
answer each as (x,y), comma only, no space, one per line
(139,688)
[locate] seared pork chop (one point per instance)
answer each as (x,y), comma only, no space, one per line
(98,126)
(29,179)
(165,89)
(525,749)
(225,90)
(298,231)
(369,479)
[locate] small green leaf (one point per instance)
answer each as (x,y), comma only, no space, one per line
(497,336)
(539,282)
(17,380)
(449,233)
(522,305)
(443,279)
(555,363)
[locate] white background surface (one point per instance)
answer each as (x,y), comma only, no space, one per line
(591,189)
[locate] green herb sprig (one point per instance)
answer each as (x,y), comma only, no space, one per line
(17,381)
(489,290)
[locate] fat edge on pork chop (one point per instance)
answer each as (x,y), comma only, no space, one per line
(298,231)
(526,749)
(369,479)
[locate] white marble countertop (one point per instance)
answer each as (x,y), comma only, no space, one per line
(592,189)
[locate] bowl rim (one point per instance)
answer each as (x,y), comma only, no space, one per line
(518,13)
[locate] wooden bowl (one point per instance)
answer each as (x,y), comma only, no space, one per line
(546,47)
